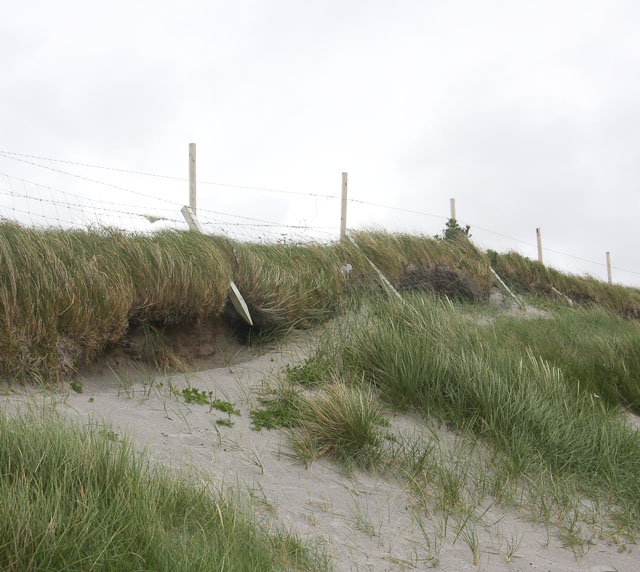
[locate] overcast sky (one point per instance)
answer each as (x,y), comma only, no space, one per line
(527,112)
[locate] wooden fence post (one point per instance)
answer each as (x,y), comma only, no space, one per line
(343,209)
(609,268)
(192,177)
(539,237)
(452,206)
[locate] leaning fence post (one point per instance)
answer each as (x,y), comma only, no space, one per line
(386,284)
(192,221)
(504,285)
(236,298)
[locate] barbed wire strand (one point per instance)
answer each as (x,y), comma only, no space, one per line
(60,171)
(16,157)
(82,197)
(13,155)
(146,214)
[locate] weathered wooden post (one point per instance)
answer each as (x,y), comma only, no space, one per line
(343,209)
(539,237)
(192,177)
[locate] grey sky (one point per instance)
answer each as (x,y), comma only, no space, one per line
(526,112)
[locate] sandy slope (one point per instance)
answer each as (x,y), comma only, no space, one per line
(364,521)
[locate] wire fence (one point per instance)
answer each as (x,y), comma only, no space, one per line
(106,204)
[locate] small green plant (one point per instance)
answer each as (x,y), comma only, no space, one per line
(226,422)
(311,373)
(280,408)
(266,418)
(76,386)
(194,395)
(224,406)
(453,231)
(111,435)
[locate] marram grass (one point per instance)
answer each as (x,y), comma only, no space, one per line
(74,498)
(66,296)
(454,268)
(427,355)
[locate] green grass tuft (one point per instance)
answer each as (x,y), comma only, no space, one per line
(73,499)
(341,422)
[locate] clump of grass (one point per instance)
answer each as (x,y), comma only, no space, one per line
(72,498)
(341,422)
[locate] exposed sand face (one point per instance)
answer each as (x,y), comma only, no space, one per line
(366,522)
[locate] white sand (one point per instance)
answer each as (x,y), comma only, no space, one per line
(364,521)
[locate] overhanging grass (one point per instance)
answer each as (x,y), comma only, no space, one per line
(426,355)
(73,498)
(289,285)
(65,296)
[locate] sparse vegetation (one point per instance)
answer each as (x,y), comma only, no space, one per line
(194,395)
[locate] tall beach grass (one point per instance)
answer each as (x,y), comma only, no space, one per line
(74,498)
(427,355)
(66,296)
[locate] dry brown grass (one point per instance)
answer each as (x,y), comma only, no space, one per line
(65,296)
